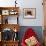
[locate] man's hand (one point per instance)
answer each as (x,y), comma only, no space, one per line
(31,41)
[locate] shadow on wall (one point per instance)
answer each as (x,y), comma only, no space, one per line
(37,29)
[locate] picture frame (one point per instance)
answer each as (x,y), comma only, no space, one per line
(5,12)
(29,13)
(13,12)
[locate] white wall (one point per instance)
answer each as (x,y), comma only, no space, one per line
(27,4)
(39,13)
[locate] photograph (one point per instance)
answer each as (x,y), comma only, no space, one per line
(29,13)
(5,12)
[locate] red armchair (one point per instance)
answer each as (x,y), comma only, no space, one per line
(29,36)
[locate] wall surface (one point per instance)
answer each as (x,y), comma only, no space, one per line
(27,4)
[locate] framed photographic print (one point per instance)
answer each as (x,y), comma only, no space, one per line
(5,12)
(29,13)
(13,12)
